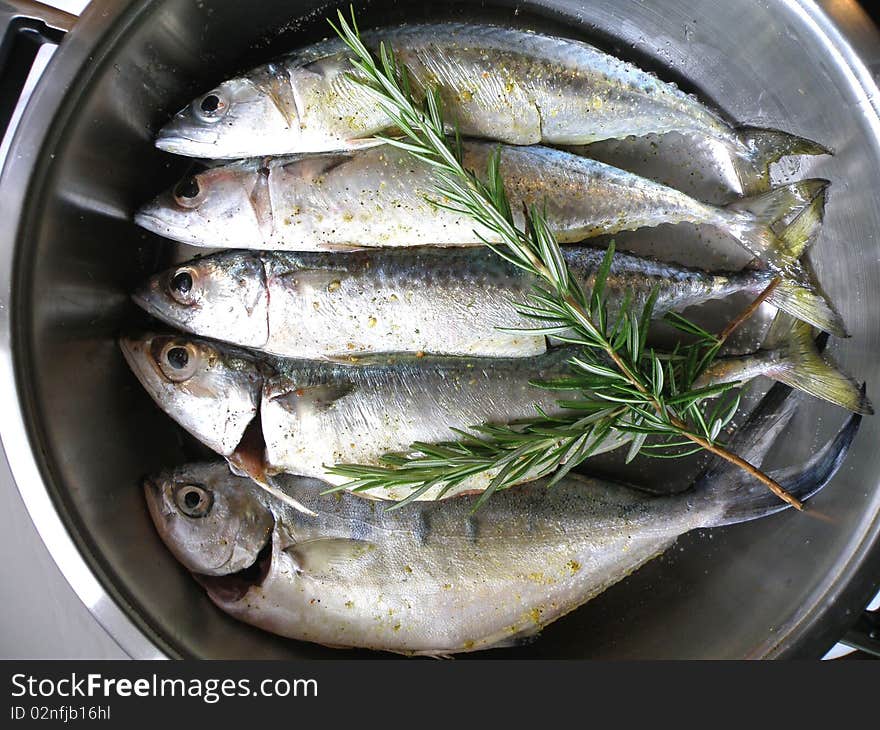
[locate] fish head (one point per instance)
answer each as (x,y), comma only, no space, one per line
(233,120)
(223,296)
(226,206)
(211,391)
(213,522)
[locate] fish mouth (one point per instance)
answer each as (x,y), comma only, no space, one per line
(231,588)
(153,499)
(152,223)
(143,300)
(156,505)
(161,227)
(135,353)
(138,353)
(192,145)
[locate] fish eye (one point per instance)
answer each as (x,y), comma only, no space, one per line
(193,500)
(210,103)
(182,282)
(188,193)
(178,362)
(211,107)
(178,357)
(182,285)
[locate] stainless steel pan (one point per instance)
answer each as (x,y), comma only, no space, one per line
(79,433)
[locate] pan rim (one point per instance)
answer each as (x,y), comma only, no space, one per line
(102,27)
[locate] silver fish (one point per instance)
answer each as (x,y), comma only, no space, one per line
(442,301)
(384,197)
(434,579)
(271,415)
(500,83)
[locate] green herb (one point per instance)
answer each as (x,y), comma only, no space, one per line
(621,391)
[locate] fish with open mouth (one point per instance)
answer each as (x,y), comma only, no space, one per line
(271,415)
(442,301)
(385,197)
(507,84)
(435,579)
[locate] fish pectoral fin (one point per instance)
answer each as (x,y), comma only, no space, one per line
(315,397)
(313,168)
(275,83)
(313,279)
(328,554)
(260,198)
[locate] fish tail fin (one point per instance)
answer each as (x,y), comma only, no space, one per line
(802,367)
(799,294)
(760,148)
(774,205)
(808,306)
(789,355)
(801,233)
(740,496)
(754,217)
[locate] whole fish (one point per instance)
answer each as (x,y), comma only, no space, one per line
(442,301)
(434,579)
(499,83)
(271,415)
(383,196)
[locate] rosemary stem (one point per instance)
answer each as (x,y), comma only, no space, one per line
(771,483)
(748,311)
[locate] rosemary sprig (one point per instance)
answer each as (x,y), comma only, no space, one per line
(625,391)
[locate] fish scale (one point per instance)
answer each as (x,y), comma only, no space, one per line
(377,408)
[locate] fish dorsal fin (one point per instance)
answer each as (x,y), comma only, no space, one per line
(343,247)
(314,397)
(325,555)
